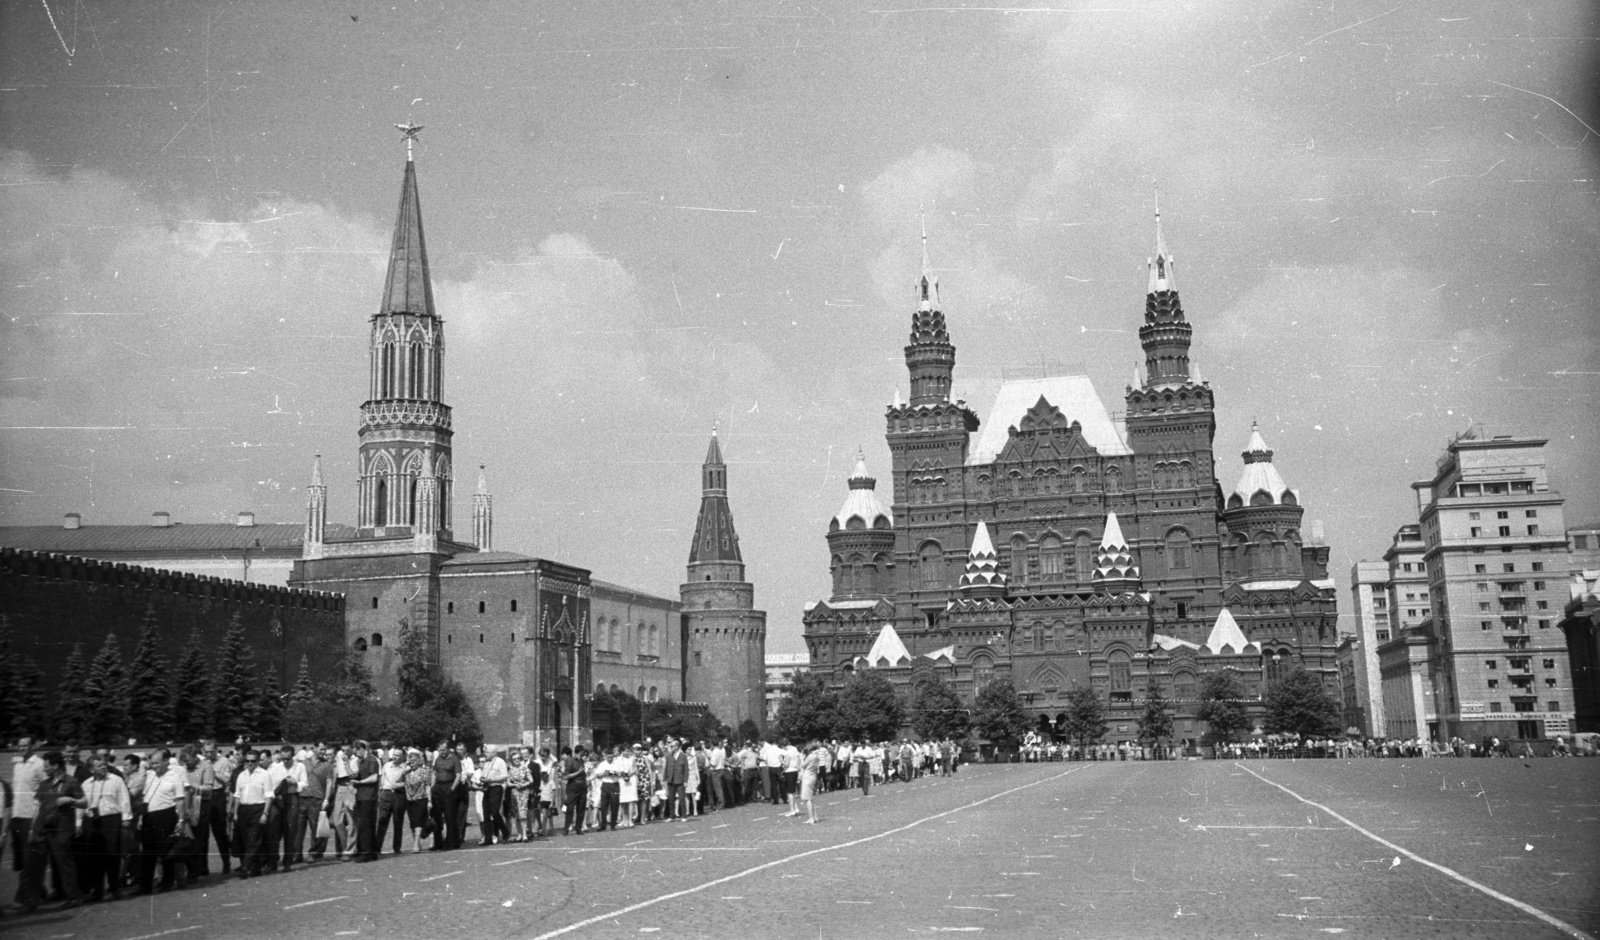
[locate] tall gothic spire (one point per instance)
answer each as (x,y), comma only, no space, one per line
(316,504)
(1165,333)
(408,289)
(715,553)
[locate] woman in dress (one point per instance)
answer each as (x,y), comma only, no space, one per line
(519,782)
(629,795)
(418,782)
(810,768)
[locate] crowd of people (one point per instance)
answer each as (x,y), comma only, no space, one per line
(87,825)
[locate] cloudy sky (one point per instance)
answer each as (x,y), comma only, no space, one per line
(647,218)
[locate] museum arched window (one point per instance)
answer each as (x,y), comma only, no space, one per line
(982,672)
(1177,550)
(1038,637)
(380,509)
(1113,480)
(1183,686)
(1121,668)
(1019,559)
(1276,666)
(1083,556)
(1051,562)
(931,562)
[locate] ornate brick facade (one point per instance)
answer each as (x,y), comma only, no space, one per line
(1117,560)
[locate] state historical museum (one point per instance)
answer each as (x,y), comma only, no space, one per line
(1059,547)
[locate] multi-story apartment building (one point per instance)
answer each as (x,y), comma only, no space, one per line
(1369,589)
(1495,556)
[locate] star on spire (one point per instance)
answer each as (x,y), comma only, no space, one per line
(410,131)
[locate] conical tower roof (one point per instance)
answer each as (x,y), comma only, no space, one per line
(983,575)
(1226,637)
(714,537)
(408,288)
(1259,475)
(1115,569)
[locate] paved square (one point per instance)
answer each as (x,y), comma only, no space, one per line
(1187,849)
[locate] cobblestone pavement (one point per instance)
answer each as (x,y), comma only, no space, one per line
(1186,849)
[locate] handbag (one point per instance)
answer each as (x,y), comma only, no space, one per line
(324,828)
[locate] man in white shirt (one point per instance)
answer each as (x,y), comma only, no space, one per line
(25,779)
(772,771)
(109,806)
(494,774)
(791,777)
(166,790)
(252,791)
(721,796)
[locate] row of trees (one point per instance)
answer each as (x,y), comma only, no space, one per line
(107,699)
(867,706)
(620,717)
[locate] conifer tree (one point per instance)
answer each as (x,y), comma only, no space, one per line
(233,692)
(149,686)
(74,711)
(107,693)
(267,719)
(191,693)
(8,683)
(304,693)
(32,713)
(352,681)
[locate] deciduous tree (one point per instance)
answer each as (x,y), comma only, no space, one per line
(997,712)
(1155,724)
(1297,704)
(1085,720)
(937,711)
(808,710)
(1222,707)
(868,709)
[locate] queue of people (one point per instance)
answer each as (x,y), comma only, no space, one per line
(89,826)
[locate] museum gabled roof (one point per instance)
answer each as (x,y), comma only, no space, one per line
(1073,395)
(1226,636)
(888,648)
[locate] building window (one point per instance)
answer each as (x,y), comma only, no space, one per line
(1509,566)
(1544,624)
(480,638)
(448,638)
(1580,541)
(513,606)
(480,607)
(1494,706)
(1485,624)
(1538,566)
(1383,634)
(1477,532)
(1480,569)
(1471,515)
(374,603)
(1494,683)
(1538,585)
(1183,610)
(1083,556)
(1549,664)
(697,658)
(1489,664)
(931,561)
(1177,550)
(450,608)
(1554,705)
(1050,560)
(1121,672)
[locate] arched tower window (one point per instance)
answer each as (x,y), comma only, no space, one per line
(380,508)
(444,502)
(1038,637)
(388,370)
(411,505)
(416,370)
(1113,480)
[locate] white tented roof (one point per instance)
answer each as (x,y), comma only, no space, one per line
(1260,474)
(1073,394)
(888,648)
(1225,634)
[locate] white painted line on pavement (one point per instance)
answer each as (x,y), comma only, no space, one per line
(667,848)
(341,897)
(1525,908)
(148,936)
(514,861)
(590,921)
(445,875)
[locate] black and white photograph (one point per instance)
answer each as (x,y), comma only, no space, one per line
(1091,469)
